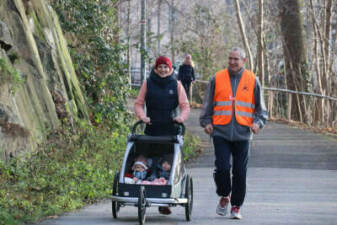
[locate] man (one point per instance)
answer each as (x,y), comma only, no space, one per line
(233,109)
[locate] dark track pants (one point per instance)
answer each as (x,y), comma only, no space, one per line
(225,185)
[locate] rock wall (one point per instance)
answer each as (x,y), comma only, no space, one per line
(32,44)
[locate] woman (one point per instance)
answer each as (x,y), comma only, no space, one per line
(162,94)
(186,73)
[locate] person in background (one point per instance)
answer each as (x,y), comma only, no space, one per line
(186,73)
(175,73)
(233,109)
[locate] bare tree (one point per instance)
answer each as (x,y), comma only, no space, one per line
(172,19)
(128,37)
(243,34)
(260,53)
(323,57)
(294,54)
(158,26)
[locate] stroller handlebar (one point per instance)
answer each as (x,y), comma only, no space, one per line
(181,125)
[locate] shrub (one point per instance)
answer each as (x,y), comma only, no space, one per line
(10,75)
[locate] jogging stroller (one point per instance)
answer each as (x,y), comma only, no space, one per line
(178,189)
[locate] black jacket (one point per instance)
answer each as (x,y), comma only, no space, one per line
(161,103)
(186,73)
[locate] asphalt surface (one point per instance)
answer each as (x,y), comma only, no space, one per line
(292,180)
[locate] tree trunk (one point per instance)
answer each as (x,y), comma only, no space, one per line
(327,48)
(243,35)
(260,45)
(128,41)
(143,41)
(116,34)
(319,109)
(148,40)
(158,27)
(295,55)
(172,26)
(327,42)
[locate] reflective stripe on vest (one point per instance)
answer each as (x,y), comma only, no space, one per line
(223,99)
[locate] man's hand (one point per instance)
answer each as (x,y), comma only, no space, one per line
(209,129)
(255,128)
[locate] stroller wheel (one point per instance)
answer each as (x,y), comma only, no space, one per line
(141,205)
(115,204)
(189,196)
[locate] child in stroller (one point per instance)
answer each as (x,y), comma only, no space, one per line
(164,167)
(140,170)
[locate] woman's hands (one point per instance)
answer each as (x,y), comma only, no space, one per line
(178,119)
(146,120)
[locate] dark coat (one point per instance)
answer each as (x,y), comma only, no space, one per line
(161,103)
(186,73)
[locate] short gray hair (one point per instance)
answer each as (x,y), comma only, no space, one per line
(241,52)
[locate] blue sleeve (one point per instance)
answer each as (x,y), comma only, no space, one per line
(207,105)
(260,114)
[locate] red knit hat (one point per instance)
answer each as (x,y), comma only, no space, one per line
(163,60)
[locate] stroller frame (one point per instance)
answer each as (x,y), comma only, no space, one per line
(177,191)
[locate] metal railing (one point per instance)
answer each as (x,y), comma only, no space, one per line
(320,110)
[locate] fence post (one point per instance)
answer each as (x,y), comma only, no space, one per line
(289,105)
(270,103)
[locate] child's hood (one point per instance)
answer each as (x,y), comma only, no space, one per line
(139,163)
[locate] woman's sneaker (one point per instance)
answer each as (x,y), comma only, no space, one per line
(222,207)
(235,213)
(164,210)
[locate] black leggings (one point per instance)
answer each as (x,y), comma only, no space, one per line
(187,86)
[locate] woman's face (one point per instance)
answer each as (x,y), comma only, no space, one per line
(163,70)
(188,60)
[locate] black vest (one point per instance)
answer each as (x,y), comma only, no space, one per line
(161,103)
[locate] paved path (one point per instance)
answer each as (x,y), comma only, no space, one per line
(292,180)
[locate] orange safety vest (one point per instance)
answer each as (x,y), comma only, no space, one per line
(243,100)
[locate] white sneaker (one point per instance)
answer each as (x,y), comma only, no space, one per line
(222,207)
(235,213)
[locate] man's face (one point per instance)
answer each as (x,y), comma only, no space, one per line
(235,62)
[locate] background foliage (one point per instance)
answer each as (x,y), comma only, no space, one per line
(76,164)
(92,34)
(68,171)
